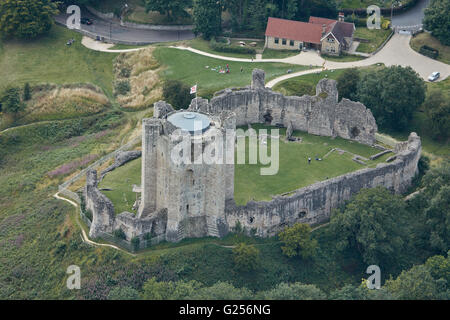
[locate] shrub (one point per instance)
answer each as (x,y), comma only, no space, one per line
(177,94)
(297,241)
(245,257)
(213,44)
(135,241)
(119,234)
(26,92)
(122,87)
(429,52)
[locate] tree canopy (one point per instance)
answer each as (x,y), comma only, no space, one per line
(373,224)
(26,18)
(392,94)
(437,20)
(297,241)
(207,18)
(245,257)
(173,8)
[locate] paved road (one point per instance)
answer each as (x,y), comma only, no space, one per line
(396,52)
(411,17)
(105,29)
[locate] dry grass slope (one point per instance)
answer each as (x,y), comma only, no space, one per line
(63,102)
(140,69)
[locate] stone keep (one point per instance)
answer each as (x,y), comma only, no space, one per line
(193,194)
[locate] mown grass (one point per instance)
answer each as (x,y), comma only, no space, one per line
(298,85)
(192,68)
(121,181)
(294,171)
(203,45)
(343,58)
(279,54)
(426,38)
(375,37)
(49,60)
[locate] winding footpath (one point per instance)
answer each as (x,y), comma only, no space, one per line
(84,236)
(396,51)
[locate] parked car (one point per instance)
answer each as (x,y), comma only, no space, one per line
(434,76)
(86,21)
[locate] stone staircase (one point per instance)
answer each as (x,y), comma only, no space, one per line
(181,232)
(212,228)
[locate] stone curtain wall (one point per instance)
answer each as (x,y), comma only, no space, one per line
(320,114)
(313,204)
(104,219)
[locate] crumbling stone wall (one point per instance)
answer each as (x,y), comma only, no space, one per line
(313,204)
(104,219)
(320,114)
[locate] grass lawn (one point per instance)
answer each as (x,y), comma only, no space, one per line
(49,59)
(306,84)
(294,170)
(191,68)
(426,38)
(121,181)
(279,54)
(375,37)
(343,58)
(125,46)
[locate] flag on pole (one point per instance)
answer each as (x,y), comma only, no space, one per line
(194,89)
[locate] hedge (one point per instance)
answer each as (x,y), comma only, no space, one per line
(213,44)
(429,52)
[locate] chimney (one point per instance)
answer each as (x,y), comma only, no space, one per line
(341,17)
(324,29)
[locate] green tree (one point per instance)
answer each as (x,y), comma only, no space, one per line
(207,18)
(437,110)
(123,293)
(26,18)
(361,292)
(347,84)
(435,197)
(245,257)
(222,291)
(416,283)
(439,267)
(297,241)
(11,101)
(177,94)
(293,291)
(173,9)
(437,21)
(392,94)
(26,92)
(179,290)
(372,223)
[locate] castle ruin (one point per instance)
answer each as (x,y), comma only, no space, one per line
(181,200)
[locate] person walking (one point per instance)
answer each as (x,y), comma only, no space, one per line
(309,160)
